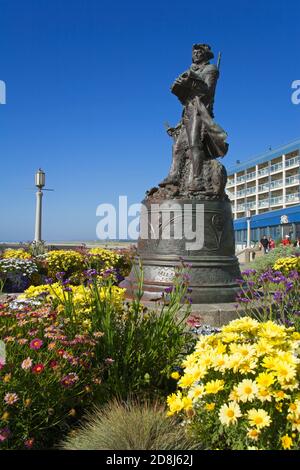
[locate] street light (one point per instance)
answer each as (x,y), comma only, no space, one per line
(248,218)
(40,179)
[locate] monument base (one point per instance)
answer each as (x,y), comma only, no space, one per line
(214,266)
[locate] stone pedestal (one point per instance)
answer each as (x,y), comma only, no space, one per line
(214,266)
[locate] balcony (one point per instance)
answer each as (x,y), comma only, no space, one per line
(274,201)
(276,184)
(263,172)
(251,190)
(290,180)
(263,203)
(230,194)
(263,187)
(250,205)
(294,197)
(251,176)
(240,179)
(276,167)
(240,208)
(292,162)
(230,182)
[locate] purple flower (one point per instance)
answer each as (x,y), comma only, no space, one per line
(67,289)
(66,282)
(48,280)
(278,296)
(248,272)
(169,289)
(60,276)
(240,281)
(90,273)
(69,379)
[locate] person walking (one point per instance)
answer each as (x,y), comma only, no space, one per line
(271,243)
(286,241)
(265,243)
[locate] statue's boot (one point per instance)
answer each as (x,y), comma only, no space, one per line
(169,180)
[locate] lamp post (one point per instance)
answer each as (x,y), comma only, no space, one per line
(40,183)
(248,218)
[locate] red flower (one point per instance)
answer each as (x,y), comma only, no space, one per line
(29,443)
(53,364)
(36,344)
(38,368)
(60,352)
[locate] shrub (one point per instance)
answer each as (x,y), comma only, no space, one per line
(129,426)
(265,262)
(286,265)
(18,253)
(68,261)
(50,373)
(271,296)
(17,273)
(240,387)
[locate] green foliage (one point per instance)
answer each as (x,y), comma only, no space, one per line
(265,262)
(129,426)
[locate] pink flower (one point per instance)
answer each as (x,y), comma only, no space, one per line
(2,363)
(36,344)
(109,360)
(69,379)
(38,368)
(29,443)
(4,434)
(26,364)
(11,398)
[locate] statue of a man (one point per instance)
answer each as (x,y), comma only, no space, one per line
(195,88)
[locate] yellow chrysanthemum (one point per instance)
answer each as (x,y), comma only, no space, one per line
(175,375)
(265,379)
(196,392)
(253,434)
(247,390)
(174,402)
(229,414)
(286,442)
(214,386)
(210,406)
(264,394)
(259,418)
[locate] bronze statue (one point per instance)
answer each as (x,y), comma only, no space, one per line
(191,200)
(197,136)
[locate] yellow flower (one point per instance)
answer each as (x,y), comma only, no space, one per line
(186,381)
(253,434)
(175,375)
(175,403)
(286,442)
(187,403)
(196,392)
(264,379)
(5,416)
(259,418)
(229,413)
(210,406)
(284,371)
(247,390)
(214,386)
(264,394)
(248,367)
(7,378)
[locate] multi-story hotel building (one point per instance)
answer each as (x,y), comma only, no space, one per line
(267,188)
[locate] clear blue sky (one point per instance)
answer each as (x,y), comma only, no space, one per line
(88,90)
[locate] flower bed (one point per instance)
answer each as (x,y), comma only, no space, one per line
(240,388)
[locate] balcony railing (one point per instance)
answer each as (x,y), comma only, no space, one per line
(263,203)
(241,179)
(292,197)
(251,175)
(263,171)
(292,180)
(251,190)
(292,162)
(276,167)
(263,187)
(276,200)
(276,184)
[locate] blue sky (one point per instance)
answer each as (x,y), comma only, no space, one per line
(88,91)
